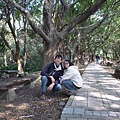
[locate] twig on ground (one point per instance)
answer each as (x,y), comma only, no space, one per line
(26,116)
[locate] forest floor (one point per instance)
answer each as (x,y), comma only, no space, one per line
(28,106)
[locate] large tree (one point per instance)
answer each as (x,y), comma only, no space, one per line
(51,31)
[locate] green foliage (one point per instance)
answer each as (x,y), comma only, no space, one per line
(2,45)
(33,66)
(32,34)
(9,67)
(18,15)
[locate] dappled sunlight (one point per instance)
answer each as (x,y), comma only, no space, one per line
(90,88)
(80,101)
(95,94)
(80,98)
(115,106)
(6,113)
(97,81)
(2,114)
(22,106)
(11,110)
(99,95)
(112,97)
(10,105)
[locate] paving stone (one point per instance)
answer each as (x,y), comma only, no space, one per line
(80,98)
(95,103)
(104,113)
(69,102)
(76,119)
(118,114)
(112,114)
(80,103)
(81,93)
(107,106)
(63,119)
(68,111)
(96,113)
(103,96)
(117,106)
(79,111)
(62,103)
(111,97)
(87,112)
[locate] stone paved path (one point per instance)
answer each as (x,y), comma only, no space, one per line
(98,99)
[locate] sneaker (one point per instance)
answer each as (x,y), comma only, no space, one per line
(42,97)
(72,93)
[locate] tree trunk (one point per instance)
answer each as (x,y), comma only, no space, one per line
(5,59)
(25,43)
(15,53)
(20,69)
(50,51)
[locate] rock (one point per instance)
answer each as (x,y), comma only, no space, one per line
(4,75)
(62,103)
(117,70)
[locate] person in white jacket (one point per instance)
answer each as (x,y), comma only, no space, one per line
(72,79)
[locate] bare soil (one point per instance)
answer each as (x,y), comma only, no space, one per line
(28,106)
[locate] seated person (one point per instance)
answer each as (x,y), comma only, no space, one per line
(72,79)
(50,76)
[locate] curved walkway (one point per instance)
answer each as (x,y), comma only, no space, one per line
(98,99)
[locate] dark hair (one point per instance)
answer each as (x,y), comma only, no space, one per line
(58,56)
(70,63)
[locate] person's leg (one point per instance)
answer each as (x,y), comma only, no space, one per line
(58,87)
(69,85)
(44,81)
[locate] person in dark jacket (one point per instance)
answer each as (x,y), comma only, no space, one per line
(97,58)
(50,76)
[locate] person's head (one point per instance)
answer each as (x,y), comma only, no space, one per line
(67,63)
(58,59)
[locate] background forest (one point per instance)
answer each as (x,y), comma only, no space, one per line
(32,32)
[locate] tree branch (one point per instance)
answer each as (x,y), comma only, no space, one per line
(3,37)
(83,17)
(93,26)
(64,4)
(31,20)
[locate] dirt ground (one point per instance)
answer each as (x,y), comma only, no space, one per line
(28,106)
(111,70)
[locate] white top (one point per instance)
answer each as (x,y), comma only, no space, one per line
(74,75)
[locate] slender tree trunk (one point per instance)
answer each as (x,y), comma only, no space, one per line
(20,69)
(15,53)
(5,59)
(25,45)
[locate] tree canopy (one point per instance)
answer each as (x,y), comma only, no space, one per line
(38,30)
